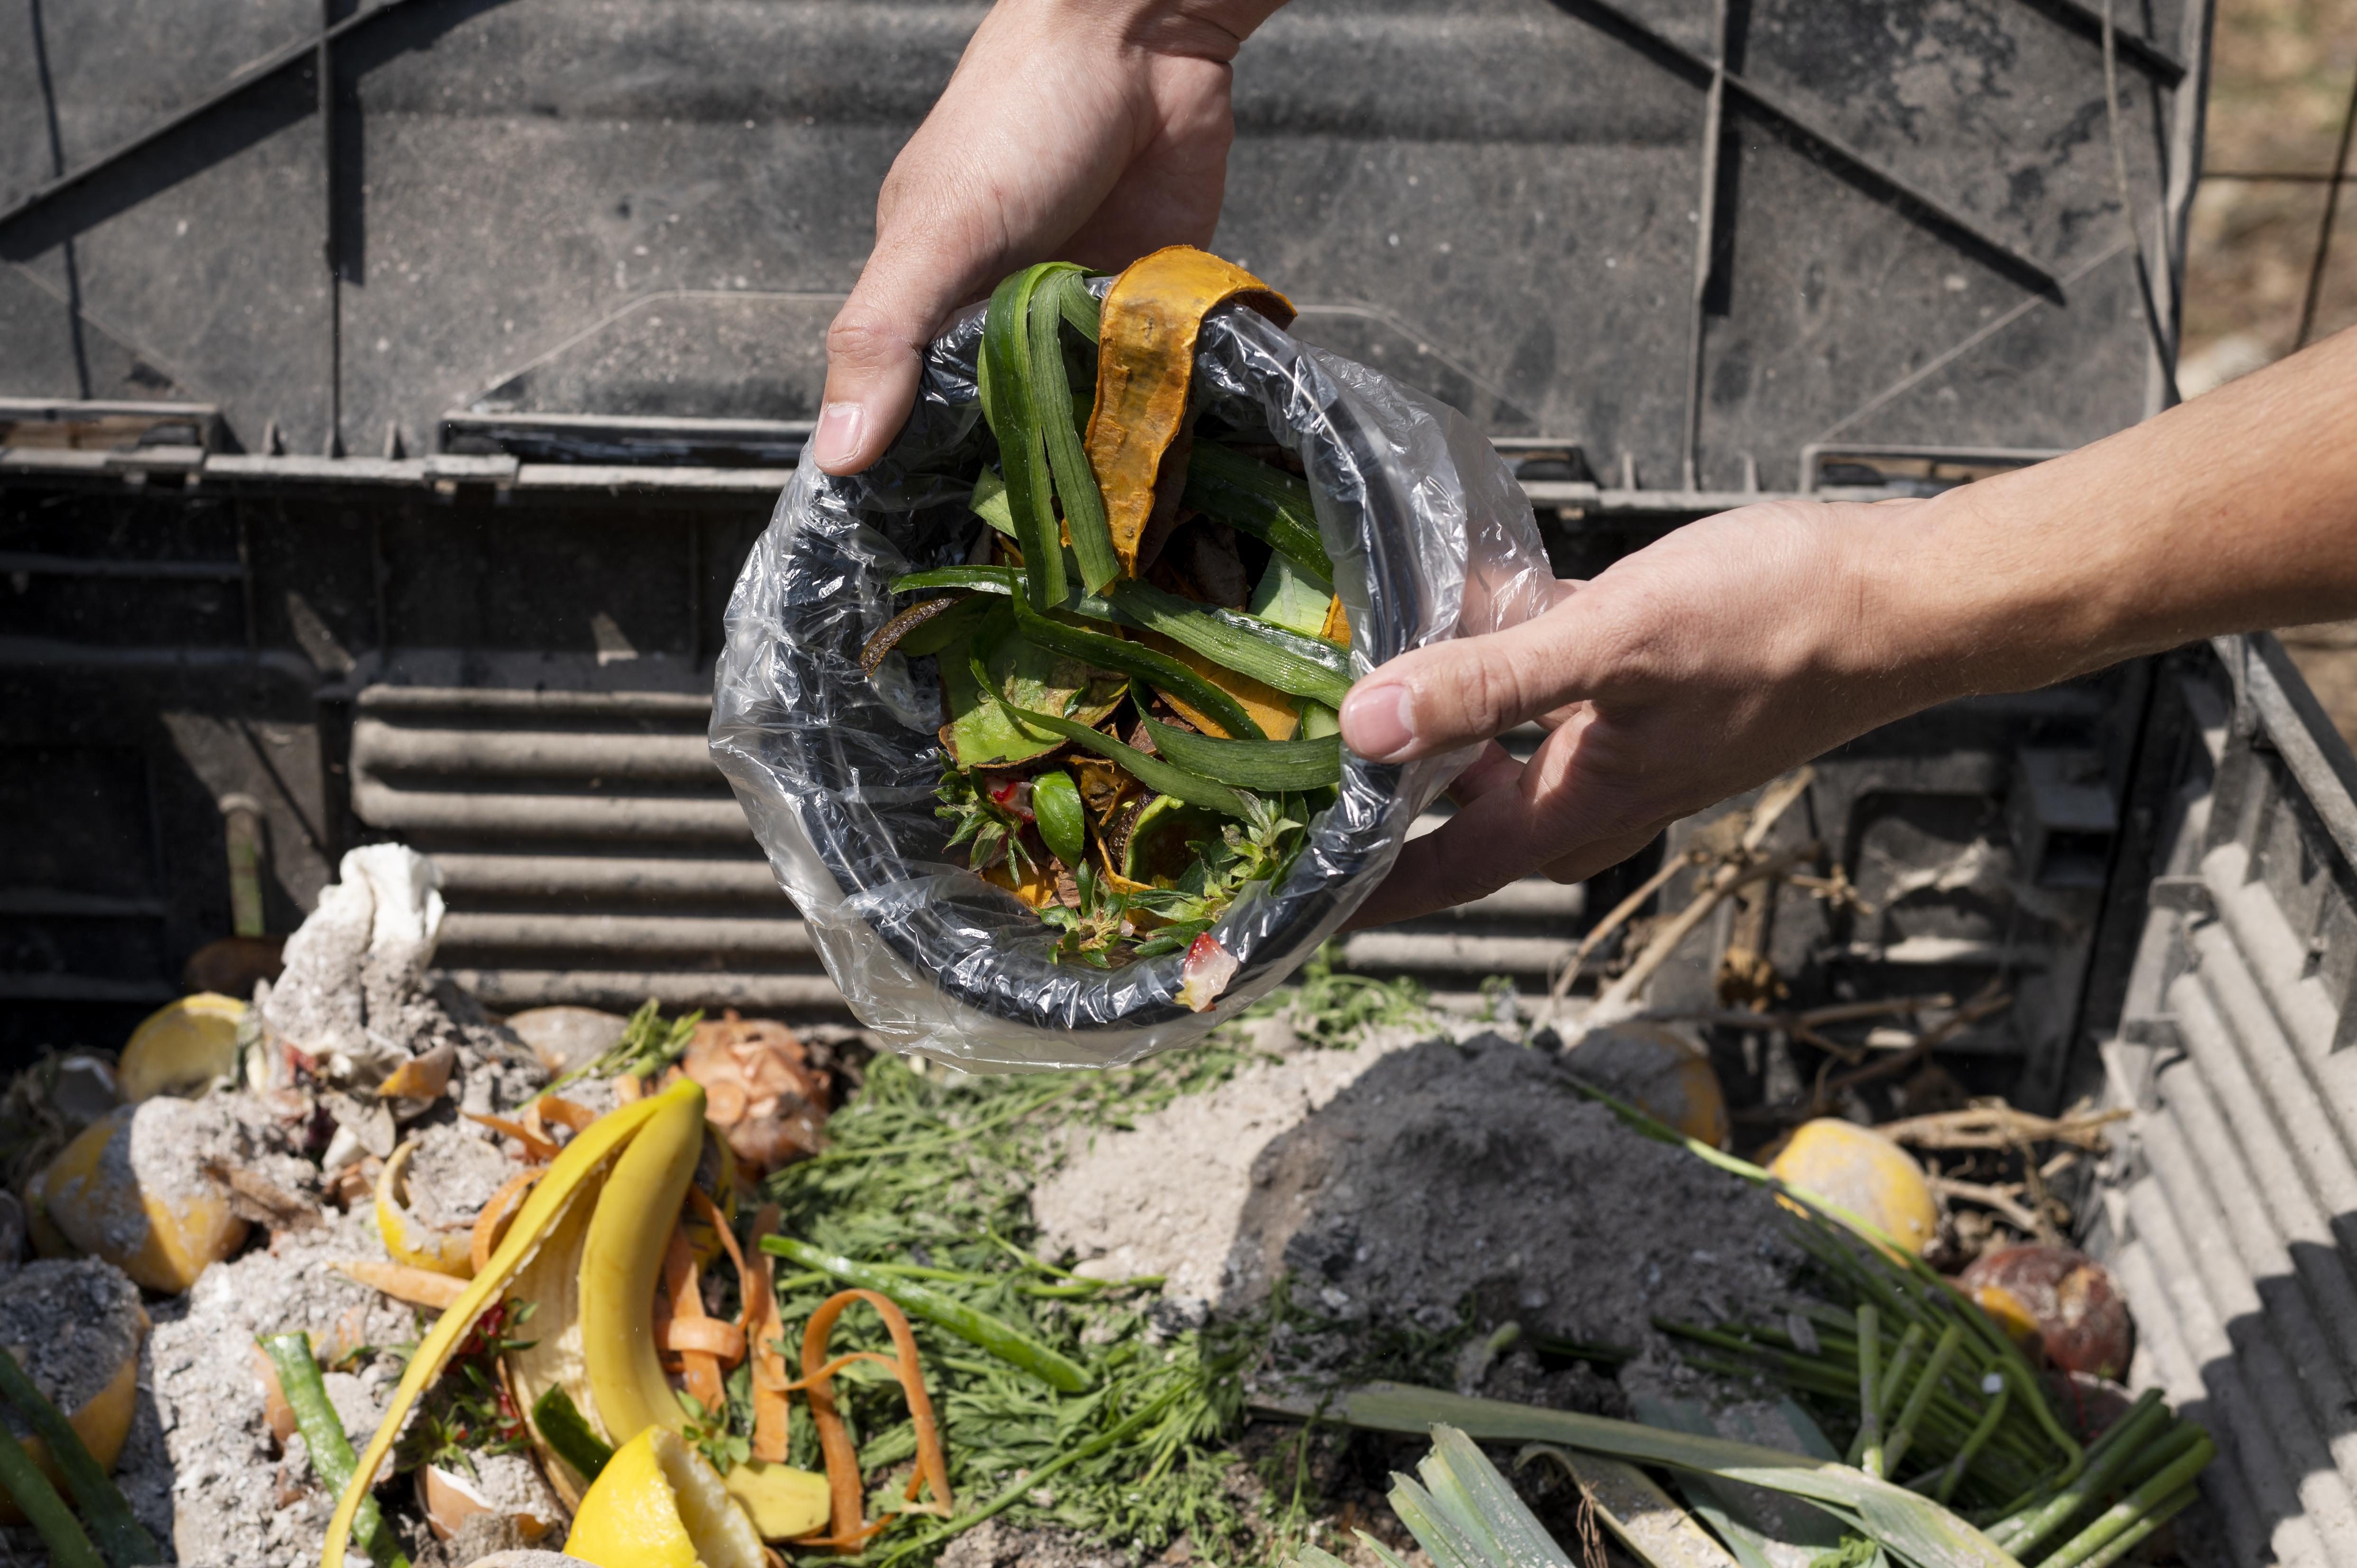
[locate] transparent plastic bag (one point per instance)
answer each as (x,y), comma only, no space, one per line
(1430,537)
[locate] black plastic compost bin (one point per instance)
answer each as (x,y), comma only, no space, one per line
(393,392)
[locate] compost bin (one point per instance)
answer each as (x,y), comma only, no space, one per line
(392,392)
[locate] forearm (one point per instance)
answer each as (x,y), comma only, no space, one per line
(2231,513)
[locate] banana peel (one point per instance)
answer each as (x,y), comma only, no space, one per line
(586,1248)
(621,1261)
(181,1048)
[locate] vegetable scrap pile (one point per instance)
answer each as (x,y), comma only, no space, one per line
(1142,660)
(684,1298)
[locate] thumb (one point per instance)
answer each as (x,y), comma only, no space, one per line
(1475,688)
(875,350)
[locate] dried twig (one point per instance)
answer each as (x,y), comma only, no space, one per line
(1884,1007)
(1602,930)
(2000,1126)
(1731,874)
(1828,1090)
(1990,1001)
(2002,1198)
(1727,880)
(1806,1026)
(1837,890)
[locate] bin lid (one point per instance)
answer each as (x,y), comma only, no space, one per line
(1695,238)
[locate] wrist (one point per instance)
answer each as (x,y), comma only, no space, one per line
(1982,589)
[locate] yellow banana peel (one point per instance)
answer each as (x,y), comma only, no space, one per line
(621,1260)
(587,1249)
(577,1173)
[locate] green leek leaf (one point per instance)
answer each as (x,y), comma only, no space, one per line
(1913,1529)
(1157,775)
(1022,456)
(1052,407)
(1137,661)
(983,579)
(1469,1490)
(1268,767)
(1081,308)
(989,501)
(1268,503)
(1287,595)
(1299,666)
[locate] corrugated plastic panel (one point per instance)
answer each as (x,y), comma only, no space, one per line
(2231,1209)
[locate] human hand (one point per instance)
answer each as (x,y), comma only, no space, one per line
(1697,667)
(1746,643)
(1071,131)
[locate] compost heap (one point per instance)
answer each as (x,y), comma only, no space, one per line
(375,1243)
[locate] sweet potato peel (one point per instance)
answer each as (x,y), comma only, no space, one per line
(1145,363)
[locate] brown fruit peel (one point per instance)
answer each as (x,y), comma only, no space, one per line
(1145,365)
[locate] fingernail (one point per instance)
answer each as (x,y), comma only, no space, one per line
(836,438)
(1377,723)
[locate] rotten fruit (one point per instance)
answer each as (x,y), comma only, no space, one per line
(1857,1169)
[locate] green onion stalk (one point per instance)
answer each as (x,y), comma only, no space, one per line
(323,1435)
(121,1536)
(1977,1410)
(38,1501)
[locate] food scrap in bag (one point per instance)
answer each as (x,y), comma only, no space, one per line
(1139,678)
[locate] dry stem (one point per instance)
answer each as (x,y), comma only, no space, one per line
(2003,1197)
(1999,1126)
(1731,874)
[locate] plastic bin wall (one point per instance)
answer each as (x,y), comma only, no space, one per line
(2230,1208)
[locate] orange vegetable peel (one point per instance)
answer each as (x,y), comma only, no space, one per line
(847,1524)
(1145,363)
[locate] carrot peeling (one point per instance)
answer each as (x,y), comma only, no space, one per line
(846,1520)
(491,1224)
(700,1367)
(765,1332)
(566,1114)
(702,1203)
(536,1147)
(708,1336)
(418,1287)
(845,1359)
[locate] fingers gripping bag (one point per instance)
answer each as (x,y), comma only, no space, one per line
(1035,719)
